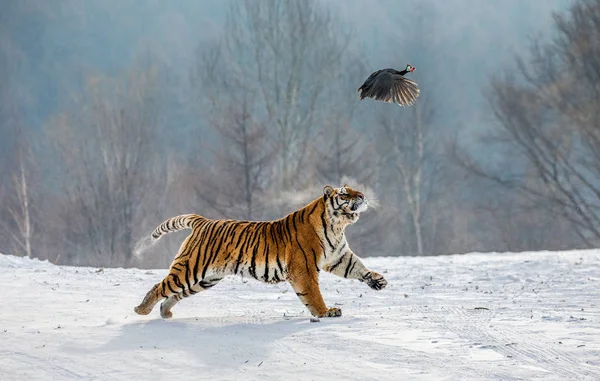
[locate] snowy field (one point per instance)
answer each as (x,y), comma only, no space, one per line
(526,316)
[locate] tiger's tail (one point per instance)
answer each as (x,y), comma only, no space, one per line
(173,224)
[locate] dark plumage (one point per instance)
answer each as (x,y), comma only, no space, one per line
(390,85)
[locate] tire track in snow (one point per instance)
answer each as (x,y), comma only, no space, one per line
(522,346)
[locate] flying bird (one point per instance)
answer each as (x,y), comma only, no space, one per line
(390,85)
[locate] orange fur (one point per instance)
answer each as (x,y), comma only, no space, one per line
(294,249)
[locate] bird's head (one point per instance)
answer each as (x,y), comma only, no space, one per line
(410,68)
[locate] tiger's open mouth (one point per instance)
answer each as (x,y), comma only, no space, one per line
(359,206)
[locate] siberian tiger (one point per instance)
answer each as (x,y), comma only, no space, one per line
(294,248)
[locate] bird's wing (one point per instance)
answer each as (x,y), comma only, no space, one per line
(393,88)
(368,80)
(403,90)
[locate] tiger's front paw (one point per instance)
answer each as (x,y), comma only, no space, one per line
(375,280)
(332,312)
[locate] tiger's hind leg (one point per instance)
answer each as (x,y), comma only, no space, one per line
(149,301)
(171,301)
(171,285)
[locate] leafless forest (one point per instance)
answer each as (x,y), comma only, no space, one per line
(115,115)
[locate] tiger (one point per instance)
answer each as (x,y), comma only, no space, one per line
(294,249)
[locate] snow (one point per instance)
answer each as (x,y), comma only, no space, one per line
(509,316)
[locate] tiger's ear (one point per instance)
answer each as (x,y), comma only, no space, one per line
(327,190)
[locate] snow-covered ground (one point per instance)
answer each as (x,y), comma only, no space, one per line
(526,316)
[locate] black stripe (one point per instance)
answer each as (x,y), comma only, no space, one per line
(282,234)
(227,236)
(197,222)
(232,234)
(273,238)
(243,243)
(239,259)
(254,245)
(325,230)
(287,229)
(188,276)
(302,293)
(214,240)
(169,286)
(279,264)
(343,247)
(193,247)
(176,266)
(276,276)
(252,268)
(348,267)
(177,282)
(208,284)
(337,264)
(304,253)
(293,216)
(313,209)
(352,268)
(250,236)
(264,236)
(206,233)
(215,252)
(315,258)
(236,242)
(339,204)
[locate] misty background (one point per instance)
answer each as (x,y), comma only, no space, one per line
(116,115)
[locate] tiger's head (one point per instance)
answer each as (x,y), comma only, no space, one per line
(345,203)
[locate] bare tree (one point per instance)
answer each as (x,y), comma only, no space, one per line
(16,218)
(108,165)
(21,212)
(233,181)
(410,145)
(411,154)
(342,149)
(344,152)
(287,52)
(549,117)
(18,198)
